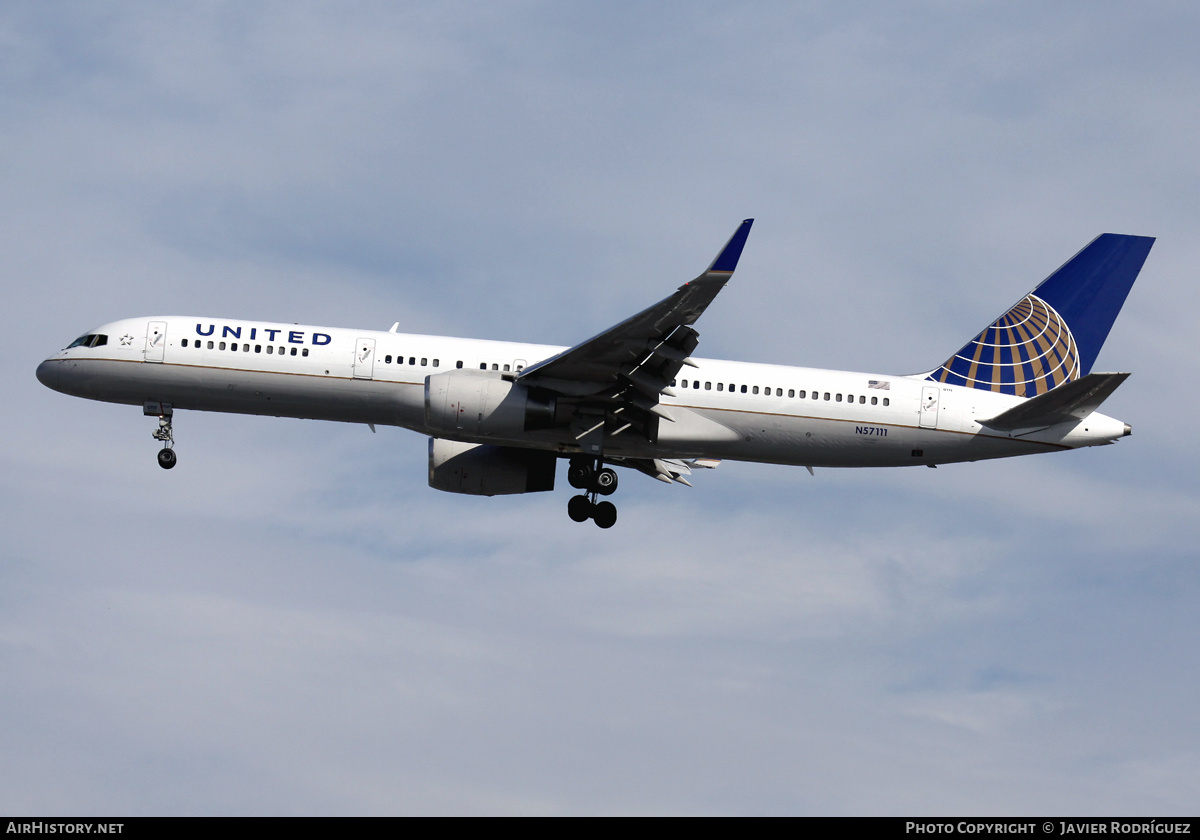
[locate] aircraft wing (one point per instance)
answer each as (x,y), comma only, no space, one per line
(669,470)
(641,355)
(1070,401)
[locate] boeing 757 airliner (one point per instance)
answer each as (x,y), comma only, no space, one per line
(499,415)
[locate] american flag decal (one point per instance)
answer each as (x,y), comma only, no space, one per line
(879,384)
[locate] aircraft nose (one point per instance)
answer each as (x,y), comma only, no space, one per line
(47,374)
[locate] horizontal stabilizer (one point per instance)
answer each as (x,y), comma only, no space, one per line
(1070,401)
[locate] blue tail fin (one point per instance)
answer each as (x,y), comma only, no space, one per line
(1055,332)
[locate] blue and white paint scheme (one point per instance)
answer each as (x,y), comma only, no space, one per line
(499,415)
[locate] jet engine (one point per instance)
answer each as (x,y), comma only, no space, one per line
(478,469)
(470,403)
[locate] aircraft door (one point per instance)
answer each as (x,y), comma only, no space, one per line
(929,407)
(364,358)
(156,341)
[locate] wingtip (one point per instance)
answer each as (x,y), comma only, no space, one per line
(727,260)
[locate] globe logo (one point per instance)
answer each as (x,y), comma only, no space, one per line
(1027,351)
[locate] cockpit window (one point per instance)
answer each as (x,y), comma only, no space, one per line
(90,340)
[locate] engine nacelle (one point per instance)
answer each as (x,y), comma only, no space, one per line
(478,403)
(480,469)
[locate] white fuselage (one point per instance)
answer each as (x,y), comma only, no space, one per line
(721,409)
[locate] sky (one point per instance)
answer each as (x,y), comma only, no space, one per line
(292,622)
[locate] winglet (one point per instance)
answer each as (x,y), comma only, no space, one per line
(727,260)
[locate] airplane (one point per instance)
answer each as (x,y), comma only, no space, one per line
(500,415)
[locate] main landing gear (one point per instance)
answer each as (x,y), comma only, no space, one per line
(591,476)
(164,432)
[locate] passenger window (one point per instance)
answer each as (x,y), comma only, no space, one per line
(874,400)
(720,386)
(435,362)
(222,346)
(210,345)
(304,352)
(184,342)
(792,393)
(861,399)
(495,366)
(816,396)
(387,360)
(672,383)
(506,367)
(257,348)
(839,398)
(458,364)
(424,362)
(683,383)
(707,386)
(886,401)
(826,396)
(483,365)
(245,348)
(779,392)
(756,389)
(412,360)
(293,351)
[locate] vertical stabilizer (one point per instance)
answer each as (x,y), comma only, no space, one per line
(1053,334)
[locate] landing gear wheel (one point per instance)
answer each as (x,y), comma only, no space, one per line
(606,481)
(605,514)
(579,508)
(579,474)
(165,432)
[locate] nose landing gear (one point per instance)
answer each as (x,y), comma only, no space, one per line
(590,475)
(164,432)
